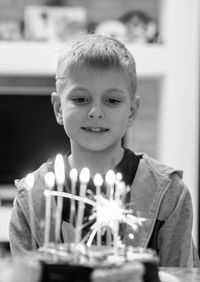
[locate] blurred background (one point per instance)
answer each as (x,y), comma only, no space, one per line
(163,36)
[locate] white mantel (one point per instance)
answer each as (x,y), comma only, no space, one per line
(40,58)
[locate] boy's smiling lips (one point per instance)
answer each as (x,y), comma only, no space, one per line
(94,129)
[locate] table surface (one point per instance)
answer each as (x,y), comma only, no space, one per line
(183,274)
(167,274)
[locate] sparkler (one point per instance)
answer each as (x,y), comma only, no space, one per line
(109,210)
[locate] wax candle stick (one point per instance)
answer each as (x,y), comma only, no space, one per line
(84,179)
(49,182)
(110,181)
(98,181)
(73,177)
(60,180)
(29,181)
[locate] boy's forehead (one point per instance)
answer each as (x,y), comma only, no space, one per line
(89,79)
(90,72)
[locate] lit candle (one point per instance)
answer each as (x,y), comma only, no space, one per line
(49,182)
(84,179)
(60,180)
(120,192)
(73,176)
(98,181)
(110,180)
(29,181)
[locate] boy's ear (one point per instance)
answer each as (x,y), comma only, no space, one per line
(55,100)
(133,110)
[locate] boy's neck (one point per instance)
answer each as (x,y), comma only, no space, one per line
(99,162)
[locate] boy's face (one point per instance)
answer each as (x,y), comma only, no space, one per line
(95,108)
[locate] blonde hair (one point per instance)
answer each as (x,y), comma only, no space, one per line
(97,52)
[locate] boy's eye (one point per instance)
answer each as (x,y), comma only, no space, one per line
(112,101)
(80,100)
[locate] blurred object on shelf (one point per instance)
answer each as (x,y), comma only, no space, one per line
(55,2)
(10,30)
(141,28)
(48,23)
(112,28)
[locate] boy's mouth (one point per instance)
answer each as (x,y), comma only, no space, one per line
(95,129)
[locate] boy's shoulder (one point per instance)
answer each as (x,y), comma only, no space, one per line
(159,168)
(167,179)
(159,183)
(161,177)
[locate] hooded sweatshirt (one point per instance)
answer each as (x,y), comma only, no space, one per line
(158,193)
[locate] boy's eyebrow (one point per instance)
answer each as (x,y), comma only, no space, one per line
(114,90)
(78,88)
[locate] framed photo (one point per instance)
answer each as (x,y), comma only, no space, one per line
(47,23)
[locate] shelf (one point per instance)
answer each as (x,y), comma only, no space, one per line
(39,58)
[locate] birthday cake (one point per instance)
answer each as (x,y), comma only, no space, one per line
(100,254)
(60,262)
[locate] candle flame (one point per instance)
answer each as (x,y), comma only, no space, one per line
(47,193)
(110,177)
(29,180)
(98,179)
(49,179)
(73,174)
(59,170)
(118,176)
(84,175)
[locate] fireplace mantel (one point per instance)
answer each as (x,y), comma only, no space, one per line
(40,58)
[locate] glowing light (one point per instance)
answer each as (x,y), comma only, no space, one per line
(108,212)
(118,176)
(73,174)
(84,175)
(131,236)
(98,180)
(59,168)
(49,179)
(29,180)
(110,177)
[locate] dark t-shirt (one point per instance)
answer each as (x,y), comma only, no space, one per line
(127,167)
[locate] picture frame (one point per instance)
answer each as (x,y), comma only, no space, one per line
(49,23)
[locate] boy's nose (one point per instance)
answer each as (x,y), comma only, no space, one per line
(95,112)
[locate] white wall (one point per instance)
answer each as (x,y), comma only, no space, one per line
(179,118)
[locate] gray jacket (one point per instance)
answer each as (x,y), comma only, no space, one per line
(158,194)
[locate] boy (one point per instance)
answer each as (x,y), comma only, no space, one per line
(96,102)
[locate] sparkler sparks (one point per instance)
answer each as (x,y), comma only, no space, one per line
(109,209)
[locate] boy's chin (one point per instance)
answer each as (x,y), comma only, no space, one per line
(100,148)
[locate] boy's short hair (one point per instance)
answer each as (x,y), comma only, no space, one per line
(97,52)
